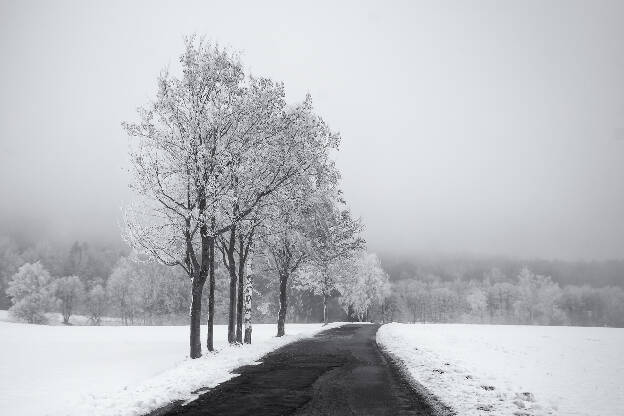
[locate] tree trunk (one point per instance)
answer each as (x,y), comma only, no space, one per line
(324,308)
(196,295)
(281,316)
(240,302)
(211,247)
(66,313)
(248,295)
(232,270)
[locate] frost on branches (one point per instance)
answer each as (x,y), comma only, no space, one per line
(211,151)
(363,285)
(334,237)
(287,231)
(32,293)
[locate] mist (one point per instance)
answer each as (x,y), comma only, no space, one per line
(486,127)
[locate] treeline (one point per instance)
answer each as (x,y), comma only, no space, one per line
(139,293)
(91,262)
(496,297)
(597,273)
(147,293)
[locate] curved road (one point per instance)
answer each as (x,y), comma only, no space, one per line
(338,372)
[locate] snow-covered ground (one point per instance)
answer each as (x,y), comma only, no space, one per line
(116,370)
(514,370)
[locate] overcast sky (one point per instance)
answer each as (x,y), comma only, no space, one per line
(486,127)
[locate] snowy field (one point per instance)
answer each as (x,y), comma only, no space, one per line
(116,370)
(514,370)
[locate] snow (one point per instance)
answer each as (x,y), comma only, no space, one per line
(117,370)
(534,370)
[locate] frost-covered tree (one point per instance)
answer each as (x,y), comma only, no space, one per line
(69,290)
(120,289)
(209,152)
(179,161)
(477,302)
(236,247)
(334,236)
(365,284)
(10,261)
(285,251)
(287,230)
(97,302)
(414,298)
(31,293)
(537,294)
(247,233)
(286,246)
(390,306)
(300,153)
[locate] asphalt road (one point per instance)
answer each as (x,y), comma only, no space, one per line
(338,372)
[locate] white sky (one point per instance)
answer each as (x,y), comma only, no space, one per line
(483,127)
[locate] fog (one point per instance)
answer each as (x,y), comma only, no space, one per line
(486,127)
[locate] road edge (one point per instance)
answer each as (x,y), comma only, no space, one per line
(437,406)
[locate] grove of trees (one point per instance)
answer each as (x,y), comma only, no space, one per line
(215,156)
(520,298)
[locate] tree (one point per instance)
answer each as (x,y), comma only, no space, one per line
(178,171)
(414,296)
(31,293)
(501,298)
(10,261)
(537,295)
(77,259)
(120,289)
(69,290)
(285,249)
(477,301)
(245,250)
(365,283)
(285,239)
(96,304)
(334,236)
(150,290)
(248,292)
(390,306)
(301,153)
(211,149)
(235,250)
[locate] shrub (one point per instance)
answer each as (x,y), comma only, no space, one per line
(31,293)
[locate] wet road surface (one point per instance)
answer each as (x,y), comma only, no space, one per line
(338,372)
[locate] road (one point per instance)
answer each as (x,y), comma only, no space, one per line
(338,372)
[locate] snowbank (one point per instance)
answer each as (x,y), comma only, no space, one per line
(58,370)
(514,370)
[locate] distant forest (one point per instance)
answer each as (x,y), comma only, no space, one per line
(592,273)
(504,291)
(444,289)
